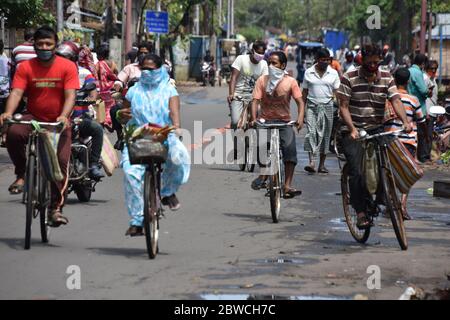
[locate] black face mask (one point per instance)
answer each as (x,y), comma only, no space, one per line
(323,65)
(45,55)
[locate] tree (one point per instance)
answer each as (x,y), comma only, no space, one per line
(25,13)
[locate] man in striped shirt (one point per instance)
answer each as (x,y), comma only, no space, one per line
(362,96)
(24,51)
(415,116)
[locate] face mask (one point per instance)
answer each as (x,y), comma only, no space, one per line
(275,76)
(152,78)
(371,68)
(258,57)
(44,55)
(322,65)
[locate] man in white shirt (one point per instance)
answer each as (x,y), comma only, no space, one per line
(246,69)
(319,86)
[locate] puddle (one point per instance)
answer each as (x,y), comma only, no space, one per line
(281,261)
(237,287)
(226,296)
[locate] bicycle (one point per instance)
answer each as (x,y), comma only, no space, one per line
(389,193)
(275,187)
(36,195)
(249,163)
(152,154)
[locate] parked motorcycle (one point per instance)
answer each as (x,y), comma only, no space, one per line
(79,180)
(208,73)
(225,73)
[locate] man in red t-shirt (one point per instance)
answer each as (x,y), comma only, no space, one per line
(50,83)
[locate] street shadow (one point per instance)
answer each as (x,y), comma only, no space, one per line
(18,243)
(130,253)
(92,202)
(249,217)
(229,169)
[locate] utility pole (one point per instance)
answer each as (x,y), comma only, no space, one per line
(430,28)
(158,41)
(60,15)
(129,15)
(197,20)
(232,17)
(229,18)
(219,12)
(423,26)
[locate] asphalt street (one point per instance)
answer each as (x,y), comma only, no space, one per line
(222,242)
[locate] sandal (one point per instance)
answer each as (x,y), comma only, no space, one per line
(310,169)
(135,231)
(259,184)
(363,223)
(56,219)
(16,188)
(291,193)
(323,170)
(406,216)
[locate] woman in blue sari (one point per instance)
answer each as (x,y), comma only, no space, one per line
(153,100)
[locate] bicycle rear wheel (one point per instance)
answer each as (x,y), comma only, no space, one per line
(151,221)
(30,198)
(360,236)
(394,207)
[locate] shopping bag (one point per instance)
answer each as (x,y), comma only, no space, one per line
(109,158)
(406,169)
(48,154)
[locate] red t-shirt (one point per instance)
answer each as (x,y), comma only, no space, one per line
(44,86)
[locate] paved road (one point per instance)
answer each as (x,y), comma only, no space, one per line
(222,243)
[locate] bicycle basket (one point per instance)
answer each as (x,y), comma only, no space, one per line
(146,150)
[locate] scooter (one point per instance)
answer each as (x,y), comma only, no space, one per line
(208,73)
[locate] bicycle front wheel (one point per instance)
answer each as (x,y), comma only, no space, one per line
(151,222)
(30,198)
(360,236)
(275,197)
(44,201)
(394,207)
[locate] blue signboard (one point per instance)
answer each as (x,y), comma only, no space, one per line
(157,21)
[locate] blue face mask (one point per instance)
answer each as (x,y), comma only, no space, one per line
(153,78)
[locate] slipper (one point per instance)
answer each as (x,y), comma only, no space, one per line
(406,216)
(310,169)
(291,193)
(323,170)
(362,223)
(16,188)
(56,219)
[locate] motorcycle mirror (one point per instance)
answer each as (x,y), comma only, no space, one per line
(437,110)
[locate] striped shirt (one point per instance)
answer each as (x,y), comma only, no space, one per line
(414,115)
(367,100)
(23,52)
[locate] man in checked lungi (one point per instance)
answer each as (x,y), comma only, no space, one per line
(319,87)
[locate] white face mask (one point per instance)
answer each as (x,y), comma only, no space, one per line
(275,76)
(258,57)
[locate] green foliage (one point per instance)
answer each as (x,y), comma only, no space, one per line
(25,13)
(252,33)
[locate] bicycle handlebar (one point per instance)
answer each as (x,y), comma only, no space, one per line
(280,125)
(47,124)
(365,136)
